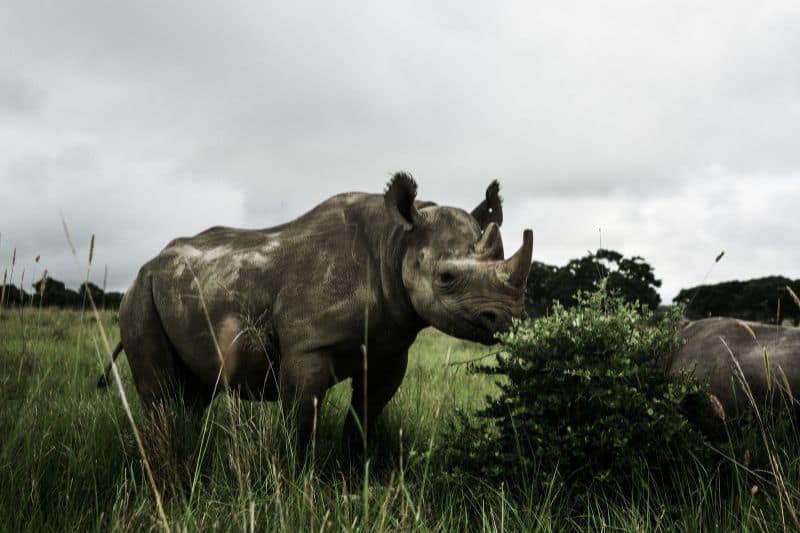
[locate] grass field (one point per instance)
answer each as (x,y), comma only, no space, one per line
(69,459)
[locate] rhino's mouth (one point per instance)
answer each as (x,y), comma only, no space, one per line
(483,334)
(476,330)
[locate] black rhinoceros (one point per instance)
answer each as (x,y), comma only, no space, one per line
(358,273)
(705,356)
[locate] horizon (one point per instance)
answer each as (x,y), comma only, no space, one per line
(92,269)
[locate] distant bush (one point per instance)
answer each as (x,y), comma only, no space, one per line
(584,394)
(54,293)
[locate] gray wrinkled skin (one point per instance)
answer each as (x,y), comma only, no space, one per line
(288,305)
(706,357)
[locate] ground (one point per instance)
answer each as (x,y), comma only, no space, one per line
(69,458)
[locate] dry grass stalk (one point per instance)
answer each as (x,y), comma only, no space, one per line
(85,284)
(767,367)
(793,295)
(221,376)
(747,327)
(105,280)
(786,386)
(126,406)
(785,498)
(717,405)
(123,397)
(21,290)
(10,275)
(42,285)
(3,290)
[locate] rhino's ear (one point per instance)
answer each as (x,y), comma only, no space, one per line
(399,199)
(491,208)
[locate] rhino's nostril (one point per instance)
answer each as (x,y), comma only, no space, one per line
(489,316)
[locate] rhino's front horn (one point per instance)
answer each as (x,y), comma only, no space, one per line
(490,245)
(514,270)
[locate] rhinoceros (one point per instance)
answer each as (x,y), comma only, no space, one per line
(706,357)
(355,278)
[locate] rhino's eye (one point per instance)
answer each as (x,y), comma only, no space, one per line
(446,277)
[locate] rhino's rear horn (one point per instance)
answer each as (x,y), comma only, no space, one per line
(490,245)
(514,270)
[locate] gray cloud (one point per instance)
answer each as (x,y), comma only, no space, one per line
(670,125)
(17,96)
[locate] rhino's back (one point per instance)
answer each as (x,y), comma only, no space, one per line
(240,262)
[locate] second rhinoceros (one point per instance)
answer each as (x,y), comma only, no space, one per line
(358,274)
(723,351)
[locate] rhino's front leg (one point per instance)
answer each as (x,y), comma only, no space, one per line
(384,374)
(304,379)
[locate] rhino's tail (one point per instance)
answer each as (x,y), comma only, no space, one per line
(102,383)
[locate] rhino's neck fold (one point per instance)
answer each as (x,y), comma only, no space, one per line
(393,247)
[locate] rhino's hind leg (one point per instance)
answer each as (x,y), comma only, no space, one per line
(172,397)
(159,374)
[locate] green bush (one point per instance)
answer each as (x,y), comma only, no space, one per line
(584,400)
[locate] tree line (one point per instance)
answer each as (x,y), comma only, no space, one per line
(49,292)
(761,300)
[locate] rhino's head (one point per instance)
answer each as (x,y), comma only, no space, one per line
(453,267)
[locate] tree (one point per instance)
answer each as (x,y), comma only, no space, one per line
(57,294)
(91,289)
(113,300)
(632,278)
(755,299)
(537,293)
(13,296)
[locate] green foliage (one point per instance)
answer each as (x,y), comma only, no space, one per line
(632,278)
(585,394)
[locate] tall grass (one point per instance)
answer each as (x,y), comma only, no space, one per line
(69,459)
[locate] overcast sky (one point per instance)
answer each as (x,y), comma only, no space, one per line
(672,126)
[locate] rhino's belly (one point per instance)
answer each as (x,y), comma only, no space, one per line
(252,372)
